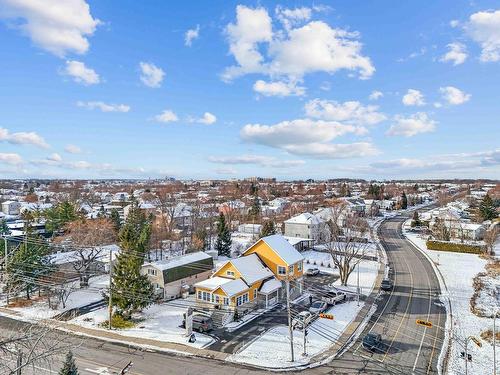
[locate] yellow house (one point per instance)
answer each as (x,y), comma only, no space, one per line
(257,276)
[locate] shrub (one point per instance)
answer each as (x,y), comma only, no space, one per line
(118,321)
(454,247)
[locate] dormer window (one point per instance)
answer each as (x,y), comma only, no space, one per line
(230,273)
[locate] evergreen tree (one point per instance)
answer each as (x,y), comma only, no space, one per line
(415,222)
(115,218)
(59,215)
(268,229)
(131,290)
(487,209)
(69,366)
(404,201)
(223,243)
(4,229)
(27,266)
(255,209)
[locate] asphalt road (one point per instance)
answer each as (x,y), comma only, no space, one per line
(412,349)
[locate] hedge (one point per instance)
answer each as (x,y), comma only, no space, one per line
(454,247)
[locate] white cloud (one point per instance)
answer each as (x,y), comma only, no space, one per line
(484,28)
(10,158)
(351,112)
(72,149)
(291,17)
(463,161)
(191,35)
(457,54)
(453,95)
(253,26)
(278,88)
(264,161)
(229,171)
(413,97)
(376,95)
(412,125)
(437,105)
(54,157)
(104,107)
(56,26)
(334,151)
(307,137)
(22,138)
(80,73)
(207,119)
(292,52)
(166,116)
(151,75)
(454,23)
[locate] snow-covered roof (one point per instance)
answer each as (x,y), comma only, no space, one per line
(270,286)
(251,268)
(283,248)
(73,256)
(304,218)
(179,261)
(229,286)
(295,240)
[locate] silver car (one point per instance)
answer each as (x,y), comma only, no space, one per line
(318,307)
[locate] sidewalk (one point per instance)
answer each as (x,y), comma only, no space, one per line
(115,336)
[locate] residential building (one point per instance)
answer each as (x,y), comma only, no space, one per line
(305,225)
(172,277)
(11,207)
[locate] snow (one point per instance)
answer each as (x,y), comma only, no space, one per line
(251,268)
(272,348)
(270,286)
(234,287)
(179,261)
(160,322)
(283,248)
(458,271)
(213,283)
(78,298)
(304,218)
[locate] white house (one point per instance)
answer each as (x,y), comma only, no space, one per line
(11,207)
(305,225)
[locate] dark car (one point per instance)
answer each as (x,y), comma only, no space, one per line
(386,284)
(373,342)
(201,323)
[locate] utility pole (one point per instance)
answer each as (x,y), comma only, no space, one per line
(495,343)
(290,329)
(305,340)
(359,291)
(6,262)
(110,301)
(19,364)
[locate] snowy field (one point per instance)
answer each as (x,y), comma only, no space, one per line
(78,298)
(458,271)
(159,322)
(272,349)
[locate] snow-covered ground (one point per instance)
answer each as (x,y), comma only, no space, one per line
(78,298)
(458,271)
(272,349)
(159,322)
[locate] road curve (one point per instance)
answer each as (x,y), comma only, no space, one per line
(413,349)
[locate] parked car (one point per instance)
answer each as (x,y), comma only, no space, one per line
(373,342)
(318,307)
(312,271)
(201,323)
(386,284)
(333,297)
(302,320)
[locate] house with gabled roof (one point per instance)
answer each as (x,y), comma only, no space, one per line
(256,278)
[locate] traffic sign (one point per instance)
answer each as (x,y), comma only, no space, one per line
(326,316)
(424,323)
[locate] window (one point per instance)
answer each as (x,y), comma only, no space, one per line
(281,270)
(151,272)
(226,301)
(204,296)
(290,270)
(299,266)
(199,294)
(240,300)
(230,273)
(254,293)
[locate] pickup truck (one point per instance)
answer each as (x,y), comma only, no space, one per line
(333,297)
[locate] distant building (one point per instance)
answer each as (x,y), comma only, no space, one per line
(11,207)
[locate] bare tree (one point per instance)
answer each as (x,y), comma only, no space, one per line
(30,346)
(490,238)
(88,237)
(348,240)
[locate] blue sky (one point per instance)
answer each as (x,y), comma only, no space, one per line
(94,89)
